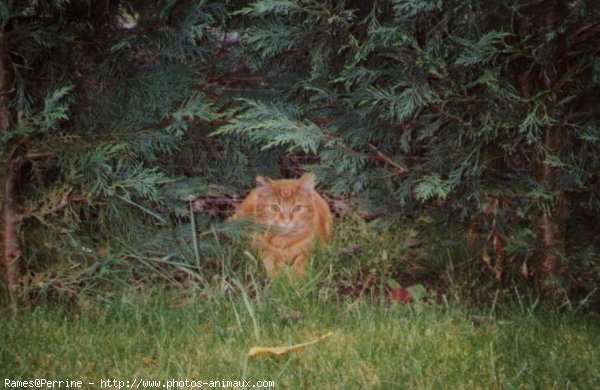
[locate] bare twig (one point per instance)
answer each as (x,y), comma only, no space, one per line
(399,169)
(39,155)
(447,114)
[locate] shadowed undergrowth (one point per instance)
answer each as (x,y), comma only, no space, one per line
(361,260)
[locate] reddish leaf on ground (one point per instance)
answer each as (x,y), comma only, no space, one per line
(400,294)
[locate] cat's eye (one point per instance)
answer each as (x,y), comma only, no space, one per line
(274,207)
(296,208)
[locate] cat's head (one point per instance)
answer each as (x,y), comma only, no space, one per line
(286,205)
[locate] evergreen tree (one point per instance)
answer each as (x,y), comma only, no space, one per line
(484,109)
(480,113)
(97,97)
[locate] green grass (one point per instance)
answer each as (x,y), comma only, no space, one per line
(377,344)
(201,327)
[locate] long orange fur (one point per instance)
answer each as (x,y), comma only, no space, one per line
(295,216)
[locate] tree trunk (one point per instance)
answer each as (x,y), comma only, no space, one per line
(550,222)
(12,168)
(6,88)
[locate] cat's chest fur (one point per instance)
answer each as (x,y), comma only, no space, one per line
(286,240)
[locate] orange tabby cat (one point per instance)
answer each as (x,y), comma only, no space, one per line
(294,214)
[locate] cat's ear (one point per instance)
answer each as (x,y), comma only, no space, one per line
(264,185)
(261,181)
(307,182)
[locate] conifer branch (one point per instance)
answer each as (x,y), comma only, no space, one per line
(66,199)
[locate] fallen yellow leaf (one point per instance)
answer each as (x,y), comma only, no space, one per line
(148,361)
(281,350)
